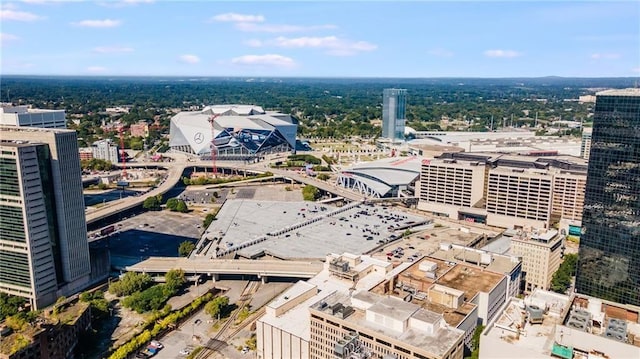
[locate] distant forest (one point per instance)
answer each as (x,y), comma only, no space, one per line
(331,107)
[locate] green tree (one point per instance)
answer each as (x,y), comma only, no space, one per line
(323,176)
(182,207)
(186,248)
(310,193)
(151,204)
(561,279)
(210,217)
(175,279)
(172,203)
(129,283)
(217,307)
(10,305)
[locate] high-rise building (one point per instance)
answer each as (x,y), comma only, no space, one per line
(43,238)
(394,103)
(585,145)
(609,257)
(28,117)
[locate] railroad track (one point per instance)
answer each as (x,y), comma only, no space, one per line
(219,341)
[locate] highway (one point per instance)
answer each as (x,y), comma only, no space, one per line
(261,268)
(177,167)
(174,173)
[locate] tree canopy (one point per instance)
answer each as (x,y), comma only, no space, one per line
(129,283)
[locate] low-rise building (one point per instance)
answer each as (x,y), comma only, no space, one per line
(547,324)
(140,129)
(55,334)
(298,325)
(103,150)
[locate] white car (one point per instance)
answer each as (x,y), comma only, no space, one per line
(185,352)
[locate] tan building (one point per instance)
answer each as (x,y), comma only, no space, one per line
(140,129)
(503,190)
(521,193)
(568,196)
(541,253)
(367,325)
(447,185)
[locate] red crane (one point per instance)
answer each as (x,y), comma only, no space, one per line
(123,154)
(214,149)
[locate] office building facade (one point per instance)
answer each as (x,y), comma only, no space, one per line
(541,253)
(394,103)
(609,257)
(27,117)
(43,218)
(503,190)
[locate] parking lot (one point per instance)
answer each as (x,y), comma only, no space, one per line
(152,234)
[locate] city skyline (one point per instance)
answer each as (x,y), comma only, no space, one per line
(321,39)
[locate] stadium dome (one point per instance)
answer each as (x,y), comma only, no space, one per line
(241,132)
(387,177)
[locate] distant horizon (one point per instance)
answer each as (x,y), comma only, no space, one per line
(321,39)
(326,77)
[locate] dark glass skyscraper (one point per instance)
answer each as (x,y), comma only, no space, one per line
(394,103)
(609,258)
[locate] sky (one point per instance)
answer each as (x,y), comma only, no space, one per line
(411,39)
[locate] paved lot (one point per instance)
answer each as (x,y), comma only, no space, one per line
(152,234)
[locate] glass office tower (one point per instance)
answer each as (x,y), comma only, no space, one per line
(393,113)
(609,257)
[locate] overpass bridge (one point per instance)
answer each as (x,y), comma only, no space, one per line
(175,170)
(214,267)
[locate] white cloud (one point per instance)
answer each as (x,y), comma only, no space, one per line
(254,43)
(9,14)
(124,3)
(6,38)
(189,59)
(279,28)
(98,23)
(264,60)
(439,52)
(112,49)
(96,69)
(502,53)
(334,45)
(234,17)
(605,56)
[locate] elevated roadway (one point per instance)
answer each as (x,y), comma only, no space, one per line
(176,168)
(199,266)
(174,173)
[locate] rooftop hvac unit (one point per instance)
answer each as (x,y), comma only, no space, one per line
(617,322)
(577,325)
(621,337)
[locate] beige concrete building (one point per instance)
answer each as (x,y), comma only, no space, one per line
(366,325)
(519,193)
(568,196)
(447,185)
(541,253)
(504,190)
(547,324)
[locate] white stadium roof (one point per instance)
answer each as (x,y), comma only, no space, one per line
(382,177)
(236,126)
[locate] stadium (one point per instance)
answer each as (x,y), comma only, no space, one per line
(241,132)
(388,177)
